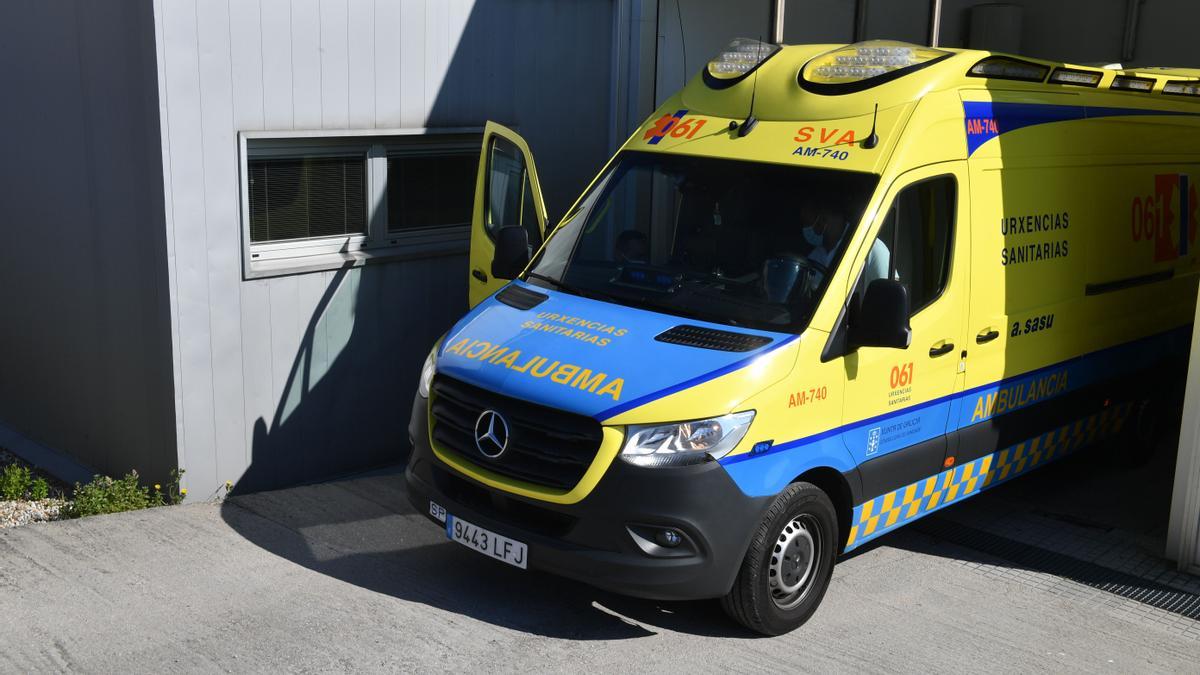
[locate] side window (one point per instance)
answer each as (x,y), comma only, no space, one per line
(509,192)
(913,245)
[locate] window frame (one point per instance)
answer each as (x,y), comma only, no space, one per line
(376,244)
(951,239)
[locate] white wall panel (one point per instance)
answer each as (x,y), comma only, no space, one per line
(361,63)
(334,48)
(276,49)
(294,377)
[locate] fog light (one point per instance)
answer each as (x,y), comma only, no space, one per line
(668,538)
(662,542)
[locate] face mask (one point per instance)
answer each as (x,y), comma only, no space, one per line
(811,236)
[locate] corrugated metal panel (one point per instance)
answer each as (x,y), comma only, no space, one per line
(301,376)
(84,338)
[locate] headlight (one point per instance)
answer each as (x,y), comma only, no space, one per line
(427,372)
(684,442)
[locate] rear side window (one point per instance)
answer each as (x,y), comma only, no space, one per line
(913,245)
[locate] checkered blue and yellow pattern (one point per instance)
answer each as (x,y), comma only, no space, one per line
(893,509)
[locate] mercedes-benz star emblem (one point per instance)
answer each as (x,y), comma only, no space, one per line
(491,434)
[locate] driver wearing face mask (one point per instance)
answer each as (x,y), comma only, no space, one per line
(832,226)
(812,227)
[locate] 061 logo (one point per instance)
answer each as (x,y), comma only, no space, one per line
(675,126)
(1167,217)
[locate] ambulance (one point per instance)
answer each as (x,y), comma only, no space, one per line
(822,292)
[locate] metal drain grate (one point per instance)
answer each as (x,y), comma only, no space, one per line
(1080,571)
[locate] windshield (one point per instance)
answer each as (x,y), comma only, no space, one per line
(739,243)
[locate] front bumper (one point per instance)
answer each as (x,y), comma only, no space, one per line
(590,540)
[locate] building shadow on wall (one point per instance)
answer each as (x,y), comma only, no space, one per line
(345,404)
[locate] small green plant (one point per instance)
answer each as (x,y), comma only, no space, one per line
(14,482)
(175,493)
(109,495)
(39,489)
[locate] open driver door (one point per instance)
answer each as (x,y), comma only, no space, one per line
(507,197)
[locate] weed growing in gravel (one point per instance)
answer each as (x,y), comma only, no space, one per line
(14,482)
(39,489)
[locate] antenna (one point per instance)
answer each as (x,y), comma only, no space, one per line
(682,38)
(873,139)
(748,124)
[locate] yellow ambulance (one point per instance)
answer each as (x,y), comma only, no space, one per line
(822,292)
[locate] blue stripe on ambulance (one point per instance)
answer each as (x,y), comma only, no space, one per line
(847,446)
(986,120)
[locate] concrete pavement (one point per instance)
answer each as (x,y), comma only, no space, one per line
(345,576)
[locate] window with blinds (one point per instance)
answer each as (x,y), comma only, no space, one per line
(317,200)
(306,197)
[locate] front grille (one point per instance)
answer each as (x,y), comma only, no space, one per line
(545,446)
(499,507)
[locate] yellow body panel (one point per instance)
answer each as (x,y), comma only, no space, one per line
(481,283)
(1065,243)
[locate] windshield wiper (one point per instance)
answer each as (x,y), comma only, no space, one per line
(563,286)
(551,280)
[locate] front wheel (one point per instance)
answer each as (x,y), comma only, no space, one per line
(787,568)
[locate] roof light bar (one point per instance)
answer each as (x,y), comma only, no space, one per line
(865,64)
(1182,88)
(1008,68)
(1128,83)
(739,58)
(1079,78)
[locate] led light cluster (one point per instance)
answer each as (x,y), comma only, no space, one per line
(866,60)
(1132,83)
(1003,68)
(740,57)
(1082,78)
(1182,88)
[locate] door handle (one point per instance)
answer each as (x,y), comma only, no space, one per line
(945,348)
(986,335)
(478,274)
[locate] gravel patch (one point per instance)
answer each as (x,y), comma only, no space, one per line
(13,514)
(23,512)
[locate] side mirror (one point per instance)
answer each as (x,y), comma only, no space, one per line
(512,252)
(882,317)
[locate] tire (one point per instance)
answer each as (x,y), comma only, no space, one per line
(787,568)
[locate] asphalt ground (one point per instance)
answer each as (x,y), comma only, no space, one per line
(346,576)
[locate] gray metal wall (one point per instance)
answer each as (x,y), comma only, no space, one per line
(1066,30)
(299,377)
(85,354)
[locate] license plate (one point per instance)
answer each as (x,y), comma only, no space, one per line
(487,542)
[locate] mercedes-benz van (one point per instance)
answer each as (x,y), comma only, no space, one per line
(822,292)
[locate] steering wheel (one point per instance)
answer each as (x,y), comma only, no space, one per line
(800,277)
